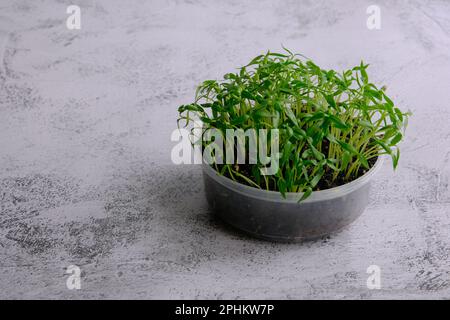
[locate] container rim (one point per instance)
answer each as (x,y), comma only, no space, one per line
(276,196)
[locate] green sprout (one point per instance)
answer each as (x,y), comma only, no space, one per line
(332,126)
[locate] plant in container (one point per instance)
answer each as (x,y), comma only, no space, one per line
(331,132)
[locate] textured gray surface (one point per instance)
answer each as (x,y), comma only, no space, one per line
(85,171)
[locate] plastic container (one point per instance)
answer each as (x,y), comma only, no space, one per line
(267,215)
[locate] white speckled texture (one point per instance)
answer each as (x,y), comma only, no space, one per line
(85,171)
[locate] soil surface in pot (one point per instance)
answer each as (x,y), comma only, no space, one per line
(324,183)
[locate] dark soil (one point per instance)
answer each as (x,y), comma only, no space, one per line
(324,183)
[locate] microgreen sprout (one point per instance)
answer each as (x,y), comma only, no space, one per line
(333,126)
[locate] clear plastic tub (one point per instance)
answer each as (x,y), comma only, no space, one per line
(267,215)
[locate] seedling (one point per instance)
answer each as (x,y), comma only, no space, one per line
(332,126)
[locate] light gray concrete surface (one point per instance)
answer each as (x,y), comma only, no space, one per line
(85,171)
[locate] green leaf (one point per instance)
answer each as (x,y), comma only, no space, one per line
(240,120)
(291,116)
(365,123)
(254,61)
(338,123)
(317,154)
(190,107)
(373,94)
(316,179)
(390,103)
(383,145)
(306,153)
(363,161)
(277,55)
(332,138)
(331,163)
(282,187)
(348,147)
(306,194)
(257,174)
(247,95)
(396,139)
(230,76)
(346,157)
(300,133)
(395,158)
(264,113)
(364,76)
(330,101)
(286,152)
(399,114)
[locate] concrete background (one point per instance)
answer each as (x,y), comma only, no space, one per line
(85,171)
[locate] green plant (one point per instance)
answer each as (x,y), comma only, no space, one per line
(332,125)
